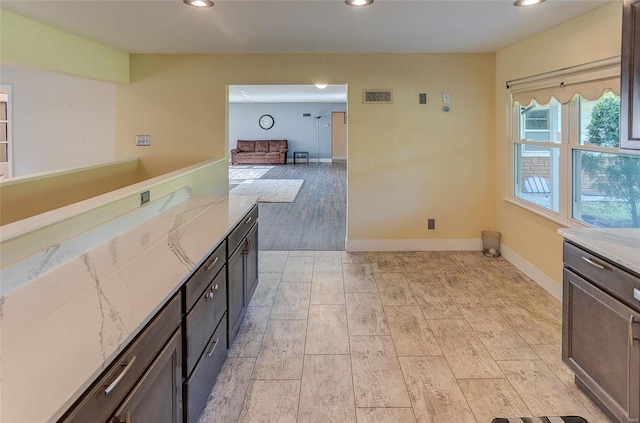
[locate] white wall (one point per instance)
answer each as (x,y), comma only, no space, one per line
(289,124)
(59,121)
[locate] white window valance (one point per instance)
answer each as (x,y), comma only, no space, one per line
(589,80)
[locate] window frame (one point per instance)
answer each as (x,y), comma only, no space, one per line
(570,142)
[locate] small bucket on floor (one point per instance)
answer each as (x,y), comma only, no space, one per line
(491,243)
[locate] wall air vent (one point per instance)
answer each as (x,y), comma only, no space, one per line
(377,96)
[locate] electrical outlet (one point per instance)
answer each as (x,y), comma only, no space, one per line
(431,224)
(143,140)
(145,197)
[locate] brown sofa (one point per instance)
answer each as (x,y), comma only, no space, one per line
(260,151)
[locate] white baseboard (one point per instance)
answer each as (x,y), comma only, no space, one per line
(549,285)
(413,245)
(524,266)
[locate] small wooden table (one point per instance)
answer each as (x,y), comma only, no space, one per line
(300,155)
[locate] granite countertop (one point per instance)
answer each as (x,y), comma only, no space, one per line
(621,246)
(63,326)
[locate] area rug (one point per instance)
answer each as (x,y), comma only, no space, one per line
(269,190)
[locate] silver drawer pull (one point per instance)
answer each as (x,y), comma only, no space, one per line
(120,376)
(636,293)
(248,220)
(632,340)
(210,293)
(213,347)
(593,263)
(211,263)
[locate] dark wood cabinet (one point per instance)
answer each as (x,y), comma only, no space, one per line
(630,78)
(601,332)
(157,397)
(251,263)
(110,389)
(201,381)
(205,331)
(235,292)
(242,274)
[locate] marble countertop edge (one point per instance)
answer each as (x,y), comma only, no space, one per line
(621,246)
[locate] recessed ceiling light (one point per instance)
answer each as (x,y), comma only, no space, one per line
(523,3)
(321,86)
(358,2)
(199,3)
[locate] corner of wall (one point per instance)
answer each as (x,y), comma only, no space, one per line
(39,46)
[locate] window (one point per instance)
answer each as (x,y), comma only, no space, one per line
(5,133)
(606,184)
(566,160)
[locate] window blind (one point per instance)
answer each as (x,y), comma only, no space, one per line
(589,81)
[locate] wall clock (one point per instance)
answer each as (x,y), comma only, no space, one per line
(266,121)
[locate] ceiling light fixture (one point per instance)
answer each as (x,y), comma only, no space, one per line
(524,3)
(321,86)
(358,2)
(203,4)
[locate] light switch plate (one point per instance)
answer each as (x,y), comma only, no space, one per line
(445,98)
(143,140)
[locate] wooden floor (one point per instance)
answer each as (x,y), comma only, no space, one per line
(317,218)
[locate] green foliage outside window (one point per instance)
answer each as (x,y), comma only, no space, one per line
(615,176)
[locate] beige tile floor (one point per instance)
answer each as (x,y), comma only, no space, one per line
(439,337)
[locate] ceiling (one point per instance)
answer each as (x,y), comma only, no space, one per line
(303,26)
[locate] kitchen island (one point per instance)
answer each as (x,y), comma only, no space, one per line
(68,311)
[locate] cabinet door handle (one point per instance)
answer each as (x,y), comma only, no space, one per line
(213,347)
(113,384)
(636,293)
(210,293)
(211,263)
(248,220)
(593,263)
(248,250)
(632,340)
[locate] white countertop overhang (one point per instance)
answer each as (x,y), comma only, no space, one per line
(621,246)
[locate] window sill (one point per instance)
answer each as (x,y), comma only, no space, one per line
(555,218)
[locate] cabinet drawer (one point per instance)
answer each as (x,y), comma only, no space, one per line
(202,277)
(109,390)
(198,387)
(203,319)
(608,277)
(239,232)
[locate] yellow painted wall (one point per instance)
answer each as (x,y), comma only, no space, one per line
(406,162)
(25,197)
(30,43)
(594,36)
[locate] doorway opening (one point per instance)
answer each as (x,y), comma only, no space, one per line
(314,123)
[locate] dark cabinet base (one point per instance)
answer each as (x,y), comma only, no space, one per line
(157,397)
(198,387)
(598,332)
